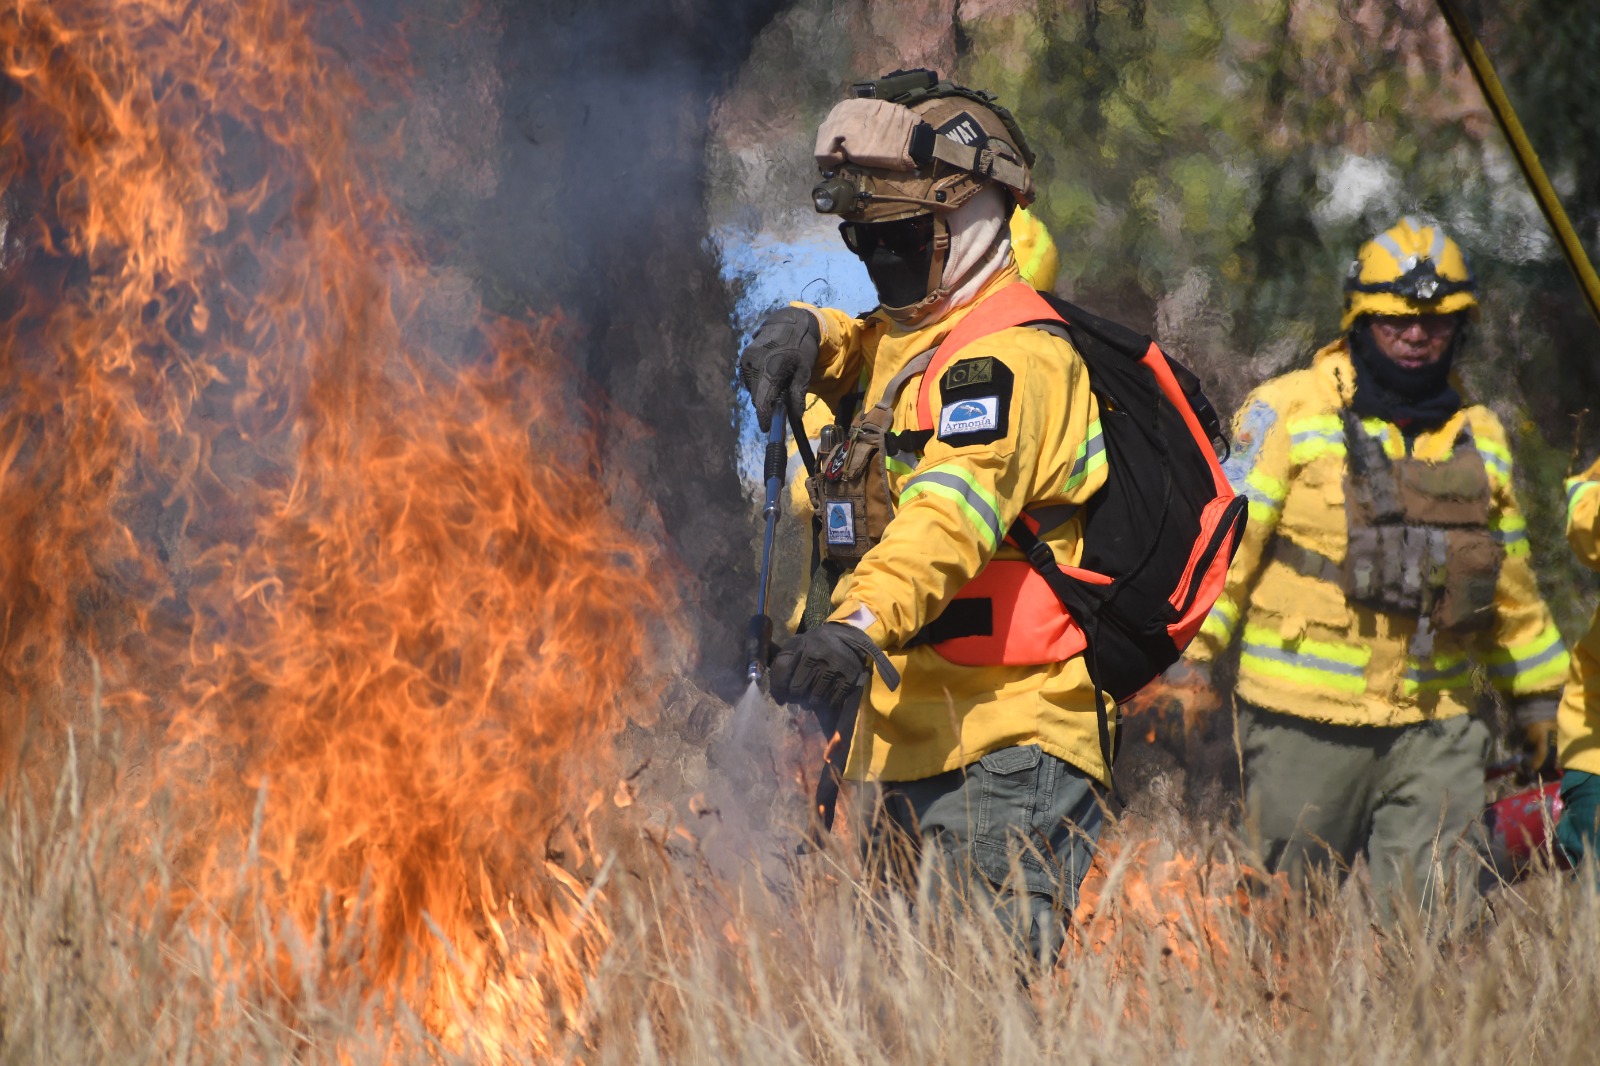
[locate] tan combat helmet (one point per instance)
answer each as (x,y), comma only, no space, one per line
(909,144)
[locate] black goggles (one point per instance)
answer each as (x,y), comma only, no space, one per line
(904,238)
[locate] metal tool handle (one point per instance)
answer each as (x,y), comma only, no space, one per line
(759,639)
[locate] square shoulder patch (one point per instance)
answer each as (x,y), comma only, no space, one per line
(976,399)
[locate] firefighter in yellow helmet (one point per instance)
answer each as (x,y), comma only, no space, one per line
(1580,701)
(1385,555)
(996,768)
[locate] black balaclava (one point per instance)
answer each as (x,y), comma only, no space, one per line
(1416,399)
(898,256)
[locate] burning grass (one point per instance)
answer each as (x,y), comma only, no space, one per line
(103,963)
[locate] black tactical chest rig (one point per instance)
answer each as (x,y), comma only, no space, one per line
(1420,541)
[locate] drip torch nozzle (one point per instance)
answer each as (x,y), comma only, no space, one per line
(759,648)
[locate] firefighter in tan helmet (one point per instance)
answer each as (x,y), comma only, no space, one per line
(1385,556)
(994,764)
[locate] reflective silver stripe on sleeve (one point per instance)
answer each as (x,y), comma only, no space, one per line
(968,493)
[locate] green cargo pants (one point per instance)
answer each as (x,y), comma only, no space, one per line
(1015,830)
(1408,797)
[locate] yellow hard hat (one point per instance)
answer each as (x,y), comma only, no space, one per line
(1036,253)
(1411,268)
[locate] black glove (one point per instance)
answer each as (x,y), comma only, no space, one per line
(779,360)
(822,667)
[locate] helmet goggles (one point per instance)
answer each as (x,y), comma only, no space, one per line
(905,238)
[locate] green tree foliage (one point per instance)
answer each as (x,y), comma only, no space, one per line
(1209,169)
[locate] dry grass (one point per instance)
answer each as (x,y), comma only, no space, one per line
(799,964)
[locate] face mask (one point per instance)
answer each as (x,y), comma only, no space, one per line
(1406,383)
(898,256)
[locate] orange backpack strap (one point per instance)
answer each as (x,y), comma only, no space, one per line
(1014,305)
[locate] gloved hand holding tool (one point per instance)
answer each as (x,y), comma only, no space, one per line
(757,366)
(825,669)
(776,366)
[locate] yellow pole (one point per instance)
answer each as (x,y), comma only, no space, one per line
(1527,158)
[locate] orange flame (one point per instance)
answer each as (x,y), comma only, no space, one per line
(379,628)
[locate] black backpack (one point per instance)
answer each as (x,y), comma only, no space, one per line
(1166,524)
(1164,527)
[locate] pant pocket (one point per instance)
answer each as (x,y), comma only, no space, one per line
(1012,795)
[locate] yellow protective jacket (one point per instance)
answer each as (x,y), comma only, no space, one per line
(1305,649)
(1579,718)
(1038,262)
(954,507)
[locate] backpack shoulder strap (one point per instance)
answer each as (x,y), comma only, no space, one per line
(1014,305)
(891,391)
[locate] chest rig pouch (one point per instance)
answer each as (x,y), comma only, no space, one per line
(1419,539)
(850,490)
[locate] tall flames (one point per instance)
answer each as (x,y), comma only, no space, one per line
(364,618)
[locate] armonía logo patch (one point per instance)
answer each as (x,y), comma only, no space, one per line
(841,522)
(969,416)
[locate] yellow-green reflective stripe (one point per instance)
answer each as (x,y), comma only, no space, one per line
(1495,457)
(1344,655)
(895,466)
(1222,618)
(1263,489)
(1378,428)
(1217,625)
(1265,495)
(1091,457)
(1317,424)
(1542,677)
(957,486)
(1510,530)
(1437,674)
(1577,489)
(1332,436)
(1314,448)
(1526,665)
(1306,662)
(1251,661)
